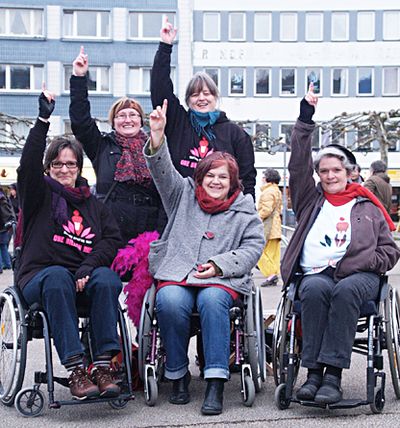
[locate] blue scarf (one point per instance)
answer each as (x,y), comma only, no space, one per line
(203,122)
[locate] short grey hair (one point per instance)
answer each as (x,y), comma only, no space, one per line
(197,83)
(332,152)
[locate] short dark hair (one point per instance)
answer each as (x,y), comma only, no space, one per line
(57,145)
(357,167)
(215,160)
(271,175)
(378,166)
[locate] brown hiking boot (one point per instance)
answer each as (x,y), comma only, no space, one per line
(104,379)
(81,386)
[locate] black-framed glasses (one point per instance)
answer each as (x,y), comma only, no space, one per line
(59,164)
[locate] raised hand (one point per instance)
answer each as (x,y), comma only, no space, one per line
(80,65)
(167,32)
(158,120)
(47,102)
(311,97)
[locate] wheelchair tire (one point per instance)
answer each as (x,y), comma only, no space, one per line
(279,326)
(281,402)
(379,402)
(151,394)
(13,342)
(392,316)
(29,402)
(259,320)
(146,318)
(249,391)
(118,404)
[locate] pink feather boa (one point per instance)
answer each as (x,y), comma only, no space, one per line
(135,257)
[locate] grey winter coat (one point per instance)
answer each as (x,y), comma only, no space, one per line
(372,248)
(234,245)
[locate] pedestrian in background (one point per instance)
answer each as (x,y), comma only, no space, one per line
(6,218)
(269,210)
(355,175)
(379,183)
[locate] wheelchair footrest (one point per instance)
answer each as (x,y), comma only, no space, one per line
(349,403)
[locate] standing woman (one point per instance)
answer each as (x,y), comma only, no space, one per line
(123,180)
(195,133)
(269,210)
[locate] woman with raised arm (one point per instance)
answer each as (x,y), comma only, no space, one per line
(195,133)
(203,260)
(341,245)
(123,181)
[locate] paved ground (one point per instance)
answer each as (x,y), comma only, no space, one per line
(263,413)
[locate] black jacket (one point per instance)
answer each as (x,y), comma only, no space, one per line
(183,141)
(46,243)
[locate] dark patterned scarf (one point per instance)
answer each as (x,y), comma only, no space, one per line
(132,165)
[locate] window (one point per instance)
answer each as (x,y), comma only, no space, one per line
(391,25)
(340,26)
(98,78)
(365,26)
(139,80)
(261,79)
(21,77)
(288,27)
(261,140)
(391,81)
(286,130)
(314,76)
(237,26)
(102,124)
(237,81)
(262,26)
(211,26)
(365,81)
(21,22)
(288,81)
(214,74)
(339,81)
(13,133)
(86,23)
(314,26)
(146,25)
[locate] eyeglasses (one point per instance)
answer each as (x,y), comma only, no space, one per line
(127,116)
(59,165)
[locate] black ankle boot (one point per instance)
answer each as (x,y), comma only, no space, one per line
(212,404)
(330,391)
(180,390)
(310,387)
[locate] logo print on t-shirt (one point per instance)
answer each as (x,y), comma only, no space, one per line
(198,153)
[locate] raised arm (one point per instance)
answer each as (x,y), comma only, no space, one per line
(83,125)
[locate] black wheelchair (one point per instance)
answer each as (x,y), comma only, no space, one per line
(20,324)
(247,345)
(378,329)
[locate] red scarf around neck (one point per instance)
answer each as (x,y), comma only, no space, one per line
(352,191)
(211,205)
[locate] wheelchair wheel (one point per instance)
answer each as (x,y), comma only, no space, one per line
(281,402)
(13,342)
(379,402)
(118,404)
(151,395)
(146,318)
(249,391)
(279,326)
(252,342)
(392,316)
(29,402)
(259,320)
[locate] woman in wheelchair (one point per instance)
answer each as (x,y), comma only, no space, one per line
(341,245)
(211,242)
(69,240)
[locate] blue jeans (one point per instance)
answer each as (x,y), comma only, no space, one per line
(54,288)
(4,254)
(174,307)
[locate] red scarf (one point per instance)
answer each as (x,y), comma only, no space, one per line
(211,205)
(352,191)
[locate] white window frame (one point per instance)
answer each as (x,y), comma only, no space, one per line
(231,70)
(237,39)
(171,18)
(335,38)
(390,94)
(268,94)
(370,25)
(31,33)
(346,93)
(141,72)
(391,35)
(370,94)
(98,69)
(98,35)
(281,26)
(218,74)
(321,30)
(218,37)
(31,78)
(268,16)
(281,94)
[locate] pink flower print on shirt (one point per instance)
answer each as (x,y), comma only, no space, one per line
(198,153)
(341,227)
(75,227)
(77,221)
